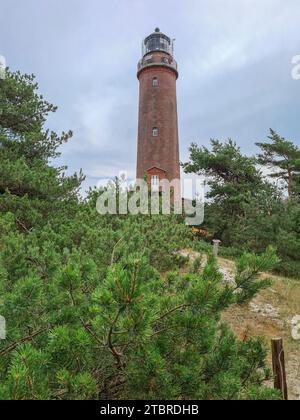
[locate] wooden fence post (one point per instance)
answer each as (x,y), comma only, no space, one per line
(216,243)
(279,367)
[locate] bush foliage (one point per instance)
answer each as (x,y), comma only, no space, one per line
(95,305)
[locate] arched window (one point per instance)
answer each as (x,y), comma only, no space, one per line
(154,82)
(154,131)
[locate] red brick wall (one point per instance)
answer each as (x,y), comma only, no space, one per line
(158,108)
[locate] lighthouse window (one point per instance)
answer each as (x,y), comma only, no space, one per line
(155,182)
(154,131)
(157,43)
(155,82)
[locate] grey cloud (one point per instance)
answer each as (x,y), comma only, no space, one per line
(234,58)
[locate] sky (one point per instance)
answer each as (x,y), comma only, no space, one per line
(235,71)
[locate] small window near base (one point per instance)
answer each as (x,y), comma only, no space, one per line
(155,182)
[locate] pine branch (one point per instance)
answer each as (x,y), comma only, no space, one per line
(182,306)
(14,345)
(114,250)
(113,350)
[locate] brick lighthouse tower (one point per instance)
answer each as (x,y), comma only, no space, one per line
(158,145)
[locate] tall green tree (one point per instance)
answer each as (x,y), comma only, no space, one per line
(230,174)
(29,186)
(246,210)
(236,187)
(283,158)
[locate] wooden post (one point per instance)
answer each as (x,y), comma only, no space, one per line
(216,243)
(279,367)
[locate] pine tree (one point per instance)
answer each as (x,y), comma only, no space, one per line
(29,187)
(283,158)
(244,209)
(236,189)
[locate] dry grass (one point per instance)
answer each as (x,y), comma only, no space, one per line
(269,315)
(284,297)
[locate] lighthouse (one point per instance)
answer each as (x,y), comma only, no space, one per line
(158,143)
